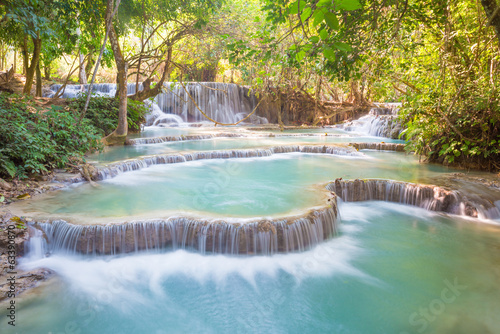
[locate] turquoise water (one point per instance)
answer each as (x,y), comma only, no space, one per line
(390,268)
(248,187)
(112,154)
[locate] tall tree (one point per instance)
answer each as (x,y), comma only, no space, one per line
(120,134)
(161,24)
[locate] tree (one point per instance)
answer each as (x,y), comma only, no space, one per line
(120,134)
(161,24)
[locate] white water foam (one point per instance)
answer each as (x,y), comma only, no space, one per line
(122,278)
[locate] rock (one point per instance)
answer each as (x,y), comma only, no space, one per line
(5,185)
(18,230)
(14,232)
(89,172)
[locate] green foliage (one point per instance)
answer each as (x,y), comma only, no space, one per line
(466,135)
(312,34)
(452,107)
(102,113)
(34,141)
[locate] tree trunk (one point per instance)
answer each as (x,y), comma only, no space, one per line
(30,72)
(90,64)
(46,71)
(24,51)
(2,58)
(120,134)
(109,23)
(82,76)
(15,60)
(38,92)
(492,11)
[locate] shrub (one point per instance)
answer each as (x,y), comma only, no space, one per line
(467,135)
(34,140)
(103,113)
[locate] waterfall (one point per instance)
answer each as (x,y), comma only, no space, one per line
(223,102)
(36,246)
(158,140)
(429,197)
(380,122)
(117,168)
(262,236)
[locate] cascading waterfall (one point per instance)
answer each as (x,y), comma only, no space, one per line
(262,236)
(429,197)
(380,122)
(36,246)
(166,139)
(257,236)
(223,102)
(136,164)
(99,89)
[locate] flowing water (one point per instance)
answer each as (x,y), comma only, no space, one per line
(392,269)
(225,103)
(224,234)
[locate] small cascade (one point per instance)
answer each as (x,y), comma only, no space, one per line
(166,139)
(157,140)
(168,120)
(263,236)
(254,119)
(380,122)
(115,169)
(36,246)
(73,91)
(429,197)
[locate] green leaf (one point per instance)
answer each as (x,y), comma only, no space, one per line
(319,16)
(2,198)
(329,54)
(348,4)
(332,21)
(323,34)
(9,167)
(307,47)
(300,55)
(323,3)
(342,46)
(294,9)
(305,14)
(314,39)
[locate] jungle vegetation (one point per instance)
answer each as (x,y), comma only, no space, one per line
(439,58)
